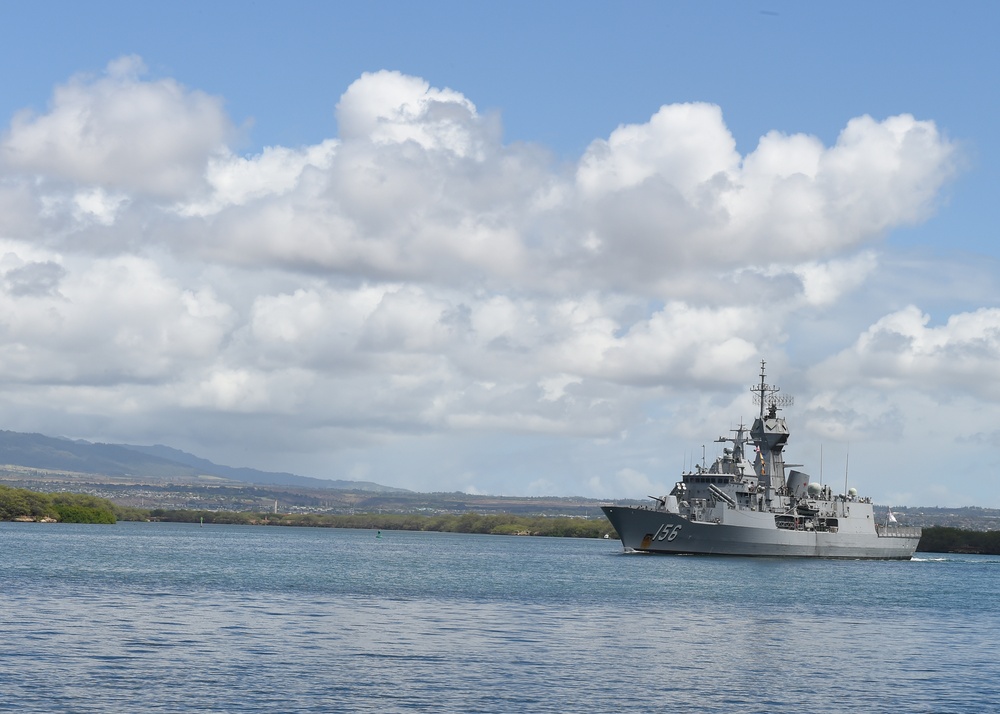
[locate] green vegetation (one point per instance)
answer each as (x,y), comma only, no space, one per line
(939,539)
(493,524)
(22,504)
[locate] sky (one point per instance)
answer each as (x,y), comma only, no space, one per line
(507,248)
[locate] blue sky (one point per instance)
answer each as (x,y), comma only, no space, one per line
(508,332)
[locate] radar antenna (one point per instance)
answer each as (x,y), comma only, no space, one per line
(767,395)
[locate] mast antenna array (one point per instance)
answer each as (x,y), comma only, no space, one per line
(766,395)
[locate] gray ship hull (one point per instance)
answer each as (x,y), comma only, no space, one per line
(744,503)
(655,531)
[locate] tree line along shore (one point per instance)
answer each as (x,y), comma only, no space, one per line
(18,504)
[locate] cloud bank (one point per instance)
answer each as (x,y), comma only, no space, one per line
(414,277)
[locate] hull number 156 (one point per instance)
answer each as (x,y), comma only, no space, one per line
(667,533)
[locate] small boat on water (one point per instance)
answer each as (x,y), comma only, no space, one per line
(739,506)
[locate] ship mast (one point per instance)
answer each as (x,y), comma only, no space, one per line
(769,433)
(767,394)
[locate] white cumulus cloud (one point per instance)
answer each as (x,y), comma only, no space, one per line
(415,275)
(118,132)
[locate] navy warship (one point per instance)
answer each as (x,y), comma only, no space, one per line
(748,506)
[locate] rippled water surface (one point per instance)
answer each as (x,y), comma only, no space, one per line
(144,617)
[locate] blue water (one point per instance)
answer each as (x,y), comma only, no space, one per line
(141,617)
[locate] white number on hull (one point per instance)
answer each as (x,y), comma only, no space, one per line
(667,533)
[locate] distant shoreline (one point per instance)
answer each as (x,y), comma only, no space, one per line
(22,505)
(485,524)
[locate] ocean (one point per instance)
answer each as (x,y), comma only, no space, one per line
(158,617)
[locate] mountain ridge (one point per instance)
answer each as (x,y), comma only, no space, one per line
(159,463)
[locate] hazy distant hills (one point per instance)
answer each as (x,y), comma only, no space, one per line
(152,463)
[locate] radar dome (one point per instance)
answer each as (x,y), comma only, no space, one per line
(852,492)
(814,489)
